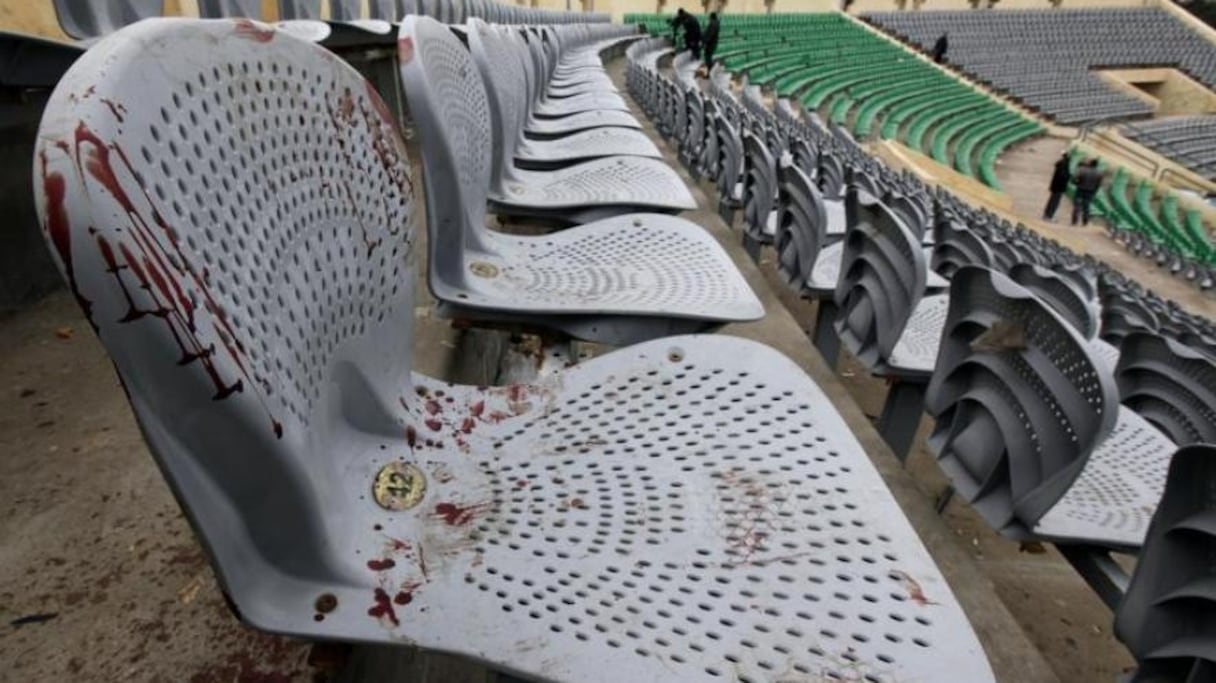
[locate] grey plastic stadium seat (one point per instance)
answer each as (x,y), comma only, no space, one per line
(886,320)
(341,496)
(730,165)
(498,57)
(1165,618)
(759,194)
(1028,425)
(347,13)
(955,245)
(574,194)
(805,258)
(297,18)
(1074,305)
(617,280)
(1170,385)
(89,20)
(1123,313)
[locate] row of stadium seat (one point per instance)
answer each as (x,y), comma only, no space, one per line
(1058,410)
(1152,227)
(263,284)
(1045,58)
(1188,140)
(855,79)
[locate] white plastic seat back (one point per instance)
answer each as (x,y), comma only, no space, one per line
(505,85)
(447,96)
(1019,401)
(232,209)
(96,18)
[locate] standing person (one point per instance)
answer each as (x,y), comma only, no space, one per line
(692,34)
(1059,184)
(939,49)
(676,22)
(711,39)
(1087,180)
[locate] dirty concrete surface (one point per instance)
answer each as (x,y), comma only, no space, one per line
(106,582)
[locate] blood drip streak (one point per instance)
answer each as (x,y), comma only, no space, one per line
(157,275)
(54,187)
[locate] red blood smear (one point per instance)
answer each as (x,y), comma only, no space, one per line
(116,109)
(399,546)
(477,408)
(381,565)
(516,393)
(250,31)
(467,425)
(433,425)
(383,607)
(433,407)
(458,515)
(411,436)
(498,416)
(403,598)
(177,309)
(55,188)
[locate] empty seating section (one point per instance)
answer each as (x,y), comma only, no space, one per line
(1045,58)
(1150,221)
(1188,140)
(1060,389)
(873,87)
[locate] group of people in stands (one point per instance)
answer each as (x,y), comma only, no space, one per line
(694,40)
(1087,180)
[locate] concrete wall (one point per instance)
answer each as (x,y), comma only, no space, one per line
(26,270)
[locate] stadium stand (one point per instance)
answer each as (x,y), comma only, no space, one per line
(1044,58)
(1188,140)
(1149,220)
(873,87)
(301,347)
(1029,424)
(1060,389)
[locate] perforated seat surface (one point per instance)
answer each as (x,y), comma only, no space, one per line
(916,348)
(580,513)
(637,264)
(599,142)
(1113,499)
(636,181)
(566,106)
(826,271)
(582,121)
(1105,351)
(834,210)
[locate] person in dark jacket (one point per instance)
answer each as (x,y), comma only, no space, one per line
(692,34)
(1059,184)
(1088,179)
(939,49)
(711,39)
